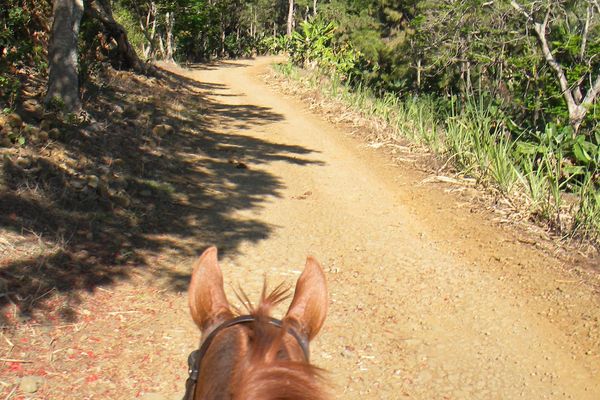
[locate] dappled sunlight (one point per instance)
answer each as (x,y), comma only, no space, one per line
(120,195)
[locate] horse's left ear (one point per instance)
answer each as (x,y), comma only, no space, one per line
(309,306)
(208,303)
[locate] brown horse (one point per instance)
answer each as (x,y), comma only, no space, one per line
(254,356)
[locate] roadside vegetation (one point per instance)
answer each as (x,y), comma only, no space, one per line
(492,108)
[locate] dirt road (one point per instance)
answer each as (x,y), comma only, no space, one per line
(411,314)
(429,299)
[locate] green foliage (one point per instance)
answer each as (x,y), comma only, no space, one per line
(475,137)
(312,43)
(587,217)
(127,19)
(575,154)
(273,44)
(9,88)
(22,40)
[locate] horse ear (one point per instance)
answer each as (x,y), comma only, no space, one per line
(309,306)
(208,303)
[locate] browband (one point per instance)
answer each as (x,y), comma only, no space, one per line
(195,357)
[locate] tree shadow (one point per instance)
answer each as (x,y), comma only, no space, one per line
(118,194)
(216,65)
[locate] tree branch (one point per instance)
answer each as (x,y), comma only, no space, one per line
(575,105)
(586,28)
(540,30)
(593,91)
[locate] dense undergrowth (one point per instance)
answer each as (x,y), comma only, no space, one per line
(532,154)
(555,178)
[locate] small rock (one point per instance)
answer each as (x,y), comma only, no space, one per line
(238,164)
(130,110)
(5,141)
(14,120)
(43,136)
(30,130)
(104,170)
(77,184)
(122,199)
(54,133)
(117,109)
(93,181)
(30,384)
(81,255)
(45,125)
(23,162)
(347,352)
(162,130)
(33,108)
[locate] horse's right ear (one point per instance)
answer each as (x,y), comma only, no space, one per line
(309,306)
(208,303)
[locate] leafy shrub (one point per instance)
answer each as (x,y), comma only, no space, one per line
(22,43)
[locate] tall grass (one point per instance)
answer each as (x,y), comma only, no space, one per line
(472,138)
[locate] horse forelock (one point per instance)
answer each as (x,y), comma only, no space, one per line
(264,375)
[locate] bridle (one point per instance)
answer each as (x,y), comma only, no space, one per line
(195,357)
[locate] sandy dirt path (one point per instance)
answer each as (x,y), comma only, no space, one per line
(410,315)
(429,299)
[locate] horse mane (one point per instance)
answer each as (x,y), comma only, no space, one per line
(261,374)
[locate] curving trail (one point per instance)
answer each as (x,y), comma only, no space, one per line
(428,300)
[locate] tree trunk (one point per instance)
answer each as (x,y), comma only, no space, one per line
(149,30)
(169,22)
(161,46)
(290,19)
(222,41)
(128,58)
(63,82)
(419,74)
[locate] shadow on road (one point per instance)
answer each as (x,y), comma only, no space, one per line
(112,197)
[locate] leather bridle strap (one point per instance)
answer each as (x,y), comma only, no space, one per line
(195,357)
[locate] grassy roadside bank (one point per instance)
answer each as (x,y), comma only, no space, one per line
(472,141)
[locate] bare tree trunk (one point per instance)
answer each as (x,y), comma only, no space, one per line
(252,22)
(290,19)
(63,80)
(147,24)
(102,11)
(315,8)
(222,41)
(255,24)
(150,32)
(419,74)
(161,46)
(169,22)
